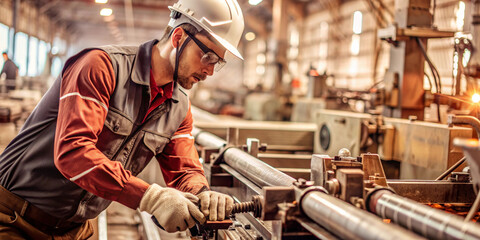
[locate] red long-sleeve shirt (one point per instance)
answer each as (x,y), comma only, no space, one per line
(85,92)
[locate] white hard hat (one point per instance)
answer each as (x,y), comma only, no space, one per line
(223,19)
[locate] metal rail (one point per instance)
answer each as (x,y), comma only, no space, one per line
(426,221)
(352,223)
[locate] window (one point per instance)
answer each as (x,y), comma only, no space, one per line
(3,40)
(59,46)
(357,30)
(33,57)
(357,22)
(322,47)
(261,58)
(293,51)
(20,58)
(42,56)
(460,16)
(355,45)
(56,66)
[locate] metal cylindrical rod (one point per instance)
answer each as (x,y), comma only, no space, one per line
(451,169)
(426,221)
(347,221)
(256,170)
(472,121)
(207,139)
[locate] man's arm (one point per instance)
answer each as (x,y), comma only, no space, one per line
(179,161)
(84,99)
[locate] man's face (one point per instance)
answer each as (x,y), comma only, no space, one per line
(5,57)
(191,70)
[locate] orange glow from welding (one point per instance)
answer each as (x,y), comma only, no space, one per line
(476,98)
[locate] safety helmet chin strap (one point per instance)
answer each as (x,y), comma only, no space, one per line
(177,58)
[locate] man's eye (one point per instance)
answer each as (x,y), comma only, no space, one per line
(208,57)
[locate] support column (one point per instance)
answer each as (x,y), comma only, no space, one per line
(280,35)
(13,30)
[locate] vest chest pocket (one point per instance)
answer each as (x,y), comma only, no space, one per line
(115,130)
(151,145)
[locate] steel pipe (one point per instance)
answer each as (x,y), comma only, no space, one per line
(426,221)
(347,221)
(256,170)
(207,139)
(472,121)
(451,169)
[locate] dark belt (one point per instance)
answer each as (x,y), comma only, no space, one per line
(35,216)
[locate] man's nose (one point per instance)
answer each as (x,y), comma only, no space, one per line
(208,70)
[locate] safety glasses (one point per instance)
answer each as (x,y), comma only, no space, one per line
(209,56)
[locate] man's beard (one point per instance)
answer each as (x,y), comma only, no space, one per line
(182,79)
(184,82)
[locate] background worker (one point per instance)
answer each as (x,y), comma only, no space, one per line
(112,109)
(10,69)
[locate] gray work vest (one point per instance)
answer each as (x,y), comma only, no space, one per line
(27,166)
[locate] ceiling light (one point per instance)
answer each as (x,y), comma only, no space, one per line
(101,1)
(106,12)
(254,2)
(250,36)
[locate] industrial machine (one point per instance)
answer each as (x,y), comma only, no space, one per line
(423,150)
(342,194)
(346,197)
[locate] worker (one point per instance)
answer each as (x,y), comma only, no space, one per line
(112,109)
(10,70)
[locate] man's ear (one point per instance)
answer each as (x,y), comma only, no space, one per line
(177,37)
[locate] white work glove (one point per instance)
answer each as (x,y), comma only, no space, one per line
(174,210)
(215,205)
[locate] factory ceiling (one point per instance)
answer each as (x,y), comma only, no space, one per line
(132,21)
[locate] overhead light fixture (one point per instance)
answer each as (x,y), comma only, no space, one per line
(101,1)
(254,2)
(250,36)
(106,12)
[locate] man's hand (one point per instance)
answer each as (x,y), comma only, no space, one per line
(174,210)
(215,205)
